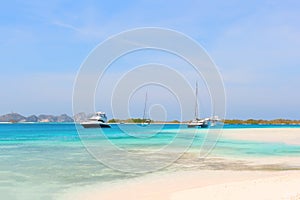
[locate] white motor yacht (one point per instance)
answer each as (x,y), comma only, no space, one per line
(99,120)
(203,123)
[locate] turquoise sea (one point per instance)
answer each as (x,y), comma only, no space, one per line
(41,160)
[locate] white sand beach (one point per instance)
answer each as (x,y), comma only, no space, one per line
(200,185)
(275,135)
(212,184)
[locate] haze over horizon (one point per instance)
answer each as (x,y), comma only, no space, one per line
(256,48)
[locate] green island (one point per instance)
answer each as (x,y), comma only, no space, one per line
(262,121)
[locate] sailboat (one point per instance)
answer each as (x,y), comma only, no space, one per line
(145,121)
(197,122)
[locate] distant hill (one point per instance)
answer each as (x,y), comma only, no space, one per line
(81,117)
(16,117)
(32,118)
(12,117)
(64,118)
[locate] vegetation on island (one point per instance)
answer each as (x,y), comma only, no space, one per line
(262,121)
(131,120)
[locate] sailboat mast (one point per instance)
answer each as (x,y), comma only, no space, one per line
(146,97)
(196,102)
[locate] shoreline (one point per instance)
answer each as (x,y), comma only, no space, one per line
(273,177)
(204,184)
(245,161)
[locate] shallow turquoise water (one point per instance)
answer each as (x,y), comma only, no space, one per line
(39,161)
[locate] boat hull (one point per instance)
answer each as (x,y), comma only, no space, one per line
(197,125)
(95,125)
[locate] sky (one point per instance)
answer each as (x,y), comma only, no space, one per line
(255,44)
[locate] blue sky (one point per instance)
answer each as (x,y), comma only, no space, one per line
(255,44)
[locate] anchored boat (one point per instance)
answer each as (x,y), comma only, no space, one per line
(145,121)
(99,120)
(197,122)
